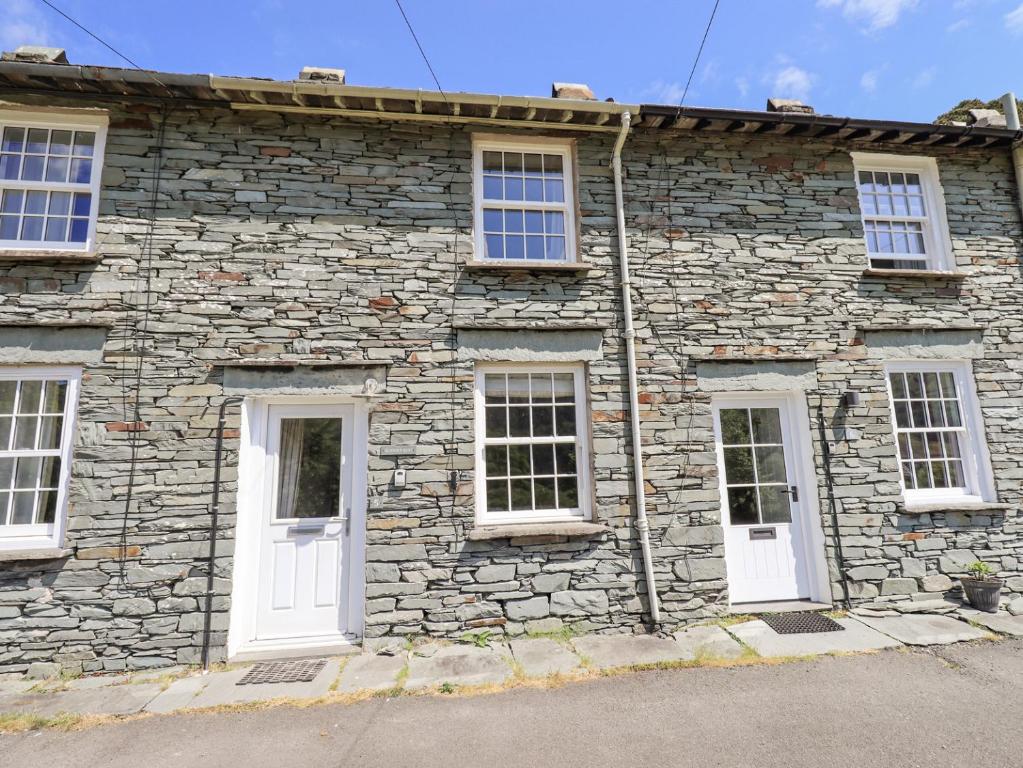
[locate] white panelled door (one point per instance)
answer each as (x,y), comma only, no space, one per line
(765,552)
(304,537)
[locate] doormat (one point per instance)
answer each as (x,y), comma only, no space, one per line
(283,672)
(801,623)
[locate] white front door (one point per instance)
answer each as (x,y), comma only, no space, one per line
(304,541)
(763,505)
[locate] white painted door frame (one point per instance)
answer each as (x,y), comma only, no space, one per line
(798,432)
(253,505)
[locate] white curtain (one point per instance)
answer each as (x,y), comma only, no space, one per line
(290,457)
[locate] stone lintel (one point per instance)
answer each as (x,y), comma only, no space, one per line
(923,343)
(264,378)
(918,274)
(528,345)
(51,343)
(965,507)
(539,530)
(763,374)
(40,553)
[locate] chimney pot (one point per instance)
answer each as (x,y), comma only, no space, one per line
(36,54)
(789,105)
(572,91)
(325,74)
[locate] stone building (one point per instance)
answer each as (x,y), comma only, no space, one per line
(294,365)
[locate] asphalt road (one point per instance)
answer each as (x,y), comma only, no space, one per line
(954,706)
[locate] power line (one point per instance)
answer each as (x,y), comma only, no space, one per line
(95,37)
(422,53)
(699,53)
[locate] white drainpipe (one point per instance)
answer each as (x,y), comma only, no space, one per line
(1012,123)
(630,352)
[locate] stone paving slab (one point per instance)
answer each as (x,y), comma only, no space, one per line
(221,687)
(707,642)
(457,665)
(768,643)
(541,656)
(100,681)
(1002,623)
(178,695)
(115,700)
(369,672)
(916,629)
(611,651)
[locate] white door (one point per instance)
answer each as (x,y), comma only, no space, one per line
(762,503)
(302,593)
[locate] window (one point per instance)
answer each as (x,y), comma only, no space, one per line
(49,182)
(936,422)
(524,202)
(531,444)
(903,212)
(37,408)
(756,479)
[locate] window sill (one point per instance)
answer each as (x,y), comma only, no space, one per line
(974,507)
(545,531)
(32,255)
(918,274)
(37,553)
(526,266)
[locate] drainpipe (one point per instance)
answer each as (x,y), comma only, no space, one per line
(1012,123)
(630,352)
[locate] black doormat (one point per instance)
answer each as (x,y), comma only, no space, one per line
(801,623)
(283,672)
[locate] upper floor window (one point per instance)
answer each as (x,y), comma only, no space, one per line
(531,443)
(937,428)
(903,212)
(49,181)
(524,201)
(37,409)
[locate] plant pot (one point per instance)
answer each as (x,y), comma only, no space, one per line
(983,594)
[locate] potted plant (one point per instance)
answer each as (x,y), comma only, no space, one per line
(982,587)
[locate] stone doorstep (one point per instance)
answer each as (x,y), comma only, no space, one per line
(856,637)
(541,656)
(222,688)
(919,629)
(431,666)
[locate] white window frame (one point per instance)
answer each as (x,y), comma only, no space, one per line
(60,121)
(538,144)
(46,535)
(937,240)
(975,457)
(582,442)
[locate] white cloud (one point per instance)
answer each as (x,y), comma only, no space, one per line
(792,82)
(742,84)
(869,81)
(665,92)
(23,24)
(925,77)
(874,14)
(958,26)
(1014,21)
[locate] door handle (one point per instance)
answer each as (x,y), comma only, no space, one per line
(792,491)
(347,520)
(306,530)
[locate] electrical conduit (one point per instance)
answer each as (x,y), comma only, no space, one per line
(630,352)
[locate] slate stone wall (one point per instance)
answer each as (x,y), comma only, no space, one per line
(316,238)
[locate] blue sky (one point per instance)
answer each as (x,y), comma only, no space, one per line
(894,59)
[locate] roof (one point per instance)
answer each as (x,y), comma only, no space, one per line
(312,96)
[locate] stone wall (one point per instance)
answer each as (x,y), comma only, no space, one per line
(315,238)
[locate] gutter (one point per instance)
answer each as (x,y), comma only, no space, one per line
(1012,123)
(642,525)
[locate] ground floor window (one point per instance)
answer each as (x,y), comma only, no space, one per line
(532,443)
(937,431)
(37,408)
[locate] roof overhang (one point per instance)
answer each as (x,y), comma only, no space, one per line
(795,124)
(310,96)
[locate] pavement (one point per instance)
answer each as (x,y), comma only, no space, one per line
(444,667)
(942,707)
